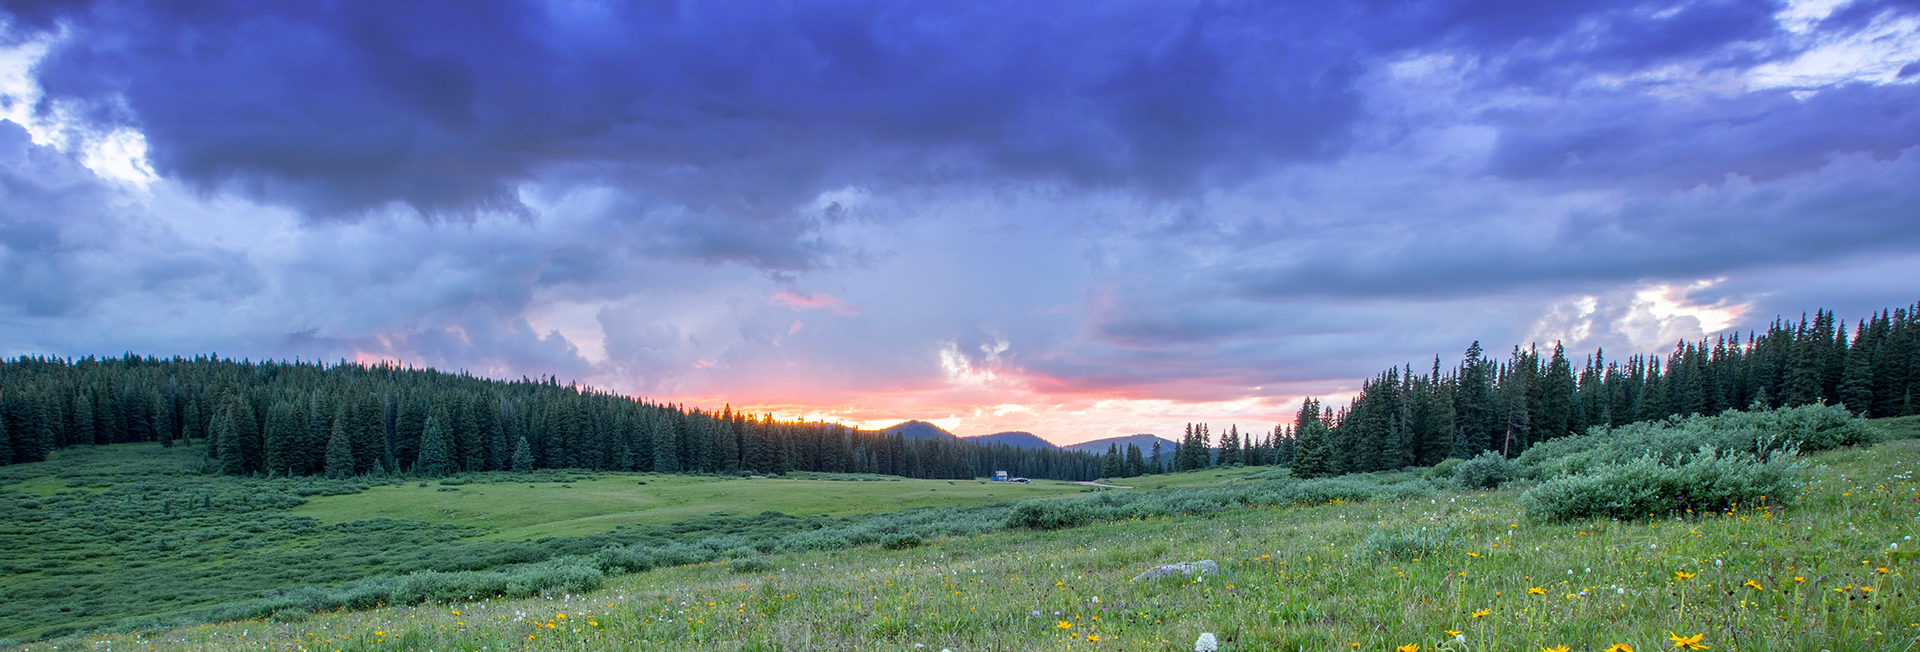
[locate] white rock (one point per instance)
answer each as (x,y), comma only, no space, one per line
(1206,643)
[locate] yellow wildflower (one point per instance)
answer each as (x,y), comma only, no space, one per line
(1536,590)
(1481,612)
(1065,625)
(1683,575)
(1688,642)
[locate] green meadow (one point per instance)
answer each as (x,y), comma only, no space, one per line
(599,501)
(1829,569)
(140,536)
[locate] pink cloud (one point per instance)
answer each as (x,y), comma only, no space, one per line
(814,301)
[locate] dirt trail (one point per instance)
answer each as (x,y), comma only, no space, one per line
(1109,486)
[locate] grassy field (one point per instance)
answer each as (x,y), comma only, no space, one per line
(118,536)
(1830,573)
(596,504)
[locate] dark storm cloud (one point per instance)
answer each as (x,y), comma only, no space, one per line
(1182,200)
(746,110)
(1607,140)
(1855,206)
(1540,41)
(729,108)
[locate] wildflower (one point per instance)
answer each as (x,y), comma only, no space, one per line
(1451,632)
(1620,647)
(1536,590)
(1036,612)
(1683,575)
(1093,637)
(1881,570)
(1754,585)
(1798,578)
(1410,647)
(1064,625)
(1473,554)
(1481,612)
(1562,648)
(1688,642)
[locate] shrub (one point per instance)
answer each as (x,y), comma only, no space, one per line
(900,541)
(1488,471)
(1444,470)
(624,559)
(1050,514)
(1808,428)
(1710,480)
(749,565)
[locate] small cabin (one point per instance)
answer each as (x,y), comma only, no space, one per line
(999,476)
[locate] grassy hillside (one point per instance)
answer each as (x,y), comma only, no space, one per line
(598,502)
(1830,573)
(100,535)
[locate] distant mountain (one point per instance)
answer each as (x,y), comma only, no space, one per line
(1016,439)
(1145,442)
(918,430)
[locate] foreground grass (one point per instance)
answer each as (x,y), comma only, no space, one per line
(1831,573)
(597,504)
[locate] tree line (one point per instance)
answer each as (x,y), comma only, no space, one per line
(1401,419)
(350,419)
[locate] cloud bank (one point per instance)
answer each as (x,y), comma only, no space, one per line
(1080,220)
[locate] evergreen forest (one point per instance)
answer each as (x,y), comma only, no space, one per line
(1403,419)
(348,420)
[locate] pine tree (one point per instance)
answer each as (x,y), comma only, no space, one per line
(1856,384)
(1557,392)
(1803,372)
(1110,464)
(1473,403)
(498,453)
(83,431)
(6,441)
(1136,463)
(522,456)
(1156,466)
(1313,457)
(434,460)
(666,446)
(340,463)
(286,435)
(226,445)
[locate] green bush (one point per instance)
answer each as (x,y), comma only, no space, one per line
(1444,470)
(1050,514)
(1808,428)
(1402,545)
(749,565)
(1488,471)
(1709,480)
(900,541)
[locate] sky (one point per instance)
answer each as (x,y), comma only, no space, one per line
(1078,219)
